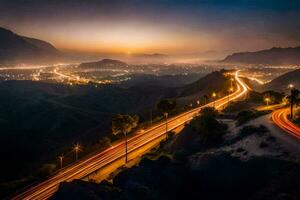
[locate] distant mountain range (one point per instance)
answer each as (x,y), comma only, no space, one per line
(154,55)
(273,56)
(15,48)
(105,63)
(281,83)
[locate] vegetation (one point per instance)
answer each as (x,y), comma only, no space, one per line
(297,117)
(207,127)
(166,106)
(293,99)
(196,176)
(124,124)
(247,115)
(275,97)
(48,118)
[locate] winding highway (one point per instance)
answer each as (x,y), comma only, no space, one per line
(98,161)
(280,118)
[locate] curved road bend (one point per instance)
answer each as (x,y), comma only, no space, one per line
(88,165)
(280,118)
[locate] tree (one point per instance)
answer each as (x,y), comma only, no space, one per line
(124,124)
(275,97)
(293,98)
(165,106)
(211,131)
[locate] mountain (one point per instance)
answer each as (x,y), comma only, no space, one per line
(281,83)
(154,55)
(211,82)
(105,63)
(273,56)
(19,49)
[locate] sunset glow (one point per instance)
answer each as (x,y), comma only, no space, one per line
(159,26)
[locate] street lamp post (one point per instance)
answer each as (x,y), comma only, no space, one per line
(214,96)
(267,100)
(291,86)
(230,91)
(76,149)
(151,121)
(166,116)
(61,161)
(126,148)
(231,80)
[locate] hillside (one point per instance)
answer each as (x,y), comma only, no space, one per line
(69,114)
(212,81)
(273,56)
(105,63)
(247,163)
(281,83)
(19,49)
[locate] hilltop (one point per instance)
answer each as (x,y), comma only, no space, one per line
(273,56)
(105,63)
(20,49)
(281,83)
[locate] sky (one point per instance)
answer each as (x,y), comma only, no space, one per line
(167,26)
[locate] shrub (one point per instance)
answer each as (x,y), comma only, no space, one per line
(207,127)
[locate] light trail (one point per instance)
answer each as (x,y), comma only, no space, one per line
(280,118)
(255,79)
(98,161)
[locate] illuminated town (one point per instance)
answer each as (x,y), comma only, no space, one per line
(154,100)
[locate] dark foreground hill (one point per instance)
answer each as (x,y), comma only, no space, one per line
(281,83)
(273,56)
(197,164)
(19,49)
(40,121)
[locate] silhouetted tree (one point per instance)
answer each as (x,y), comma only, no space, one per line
(209,129)
(124,124)
(293,98)
(166,106)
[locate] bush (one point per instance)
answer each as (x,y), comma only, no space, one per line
(247,115)
(208,128)
(47,169)
(104,142)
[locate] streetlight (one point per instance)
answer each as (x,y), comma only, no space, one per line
(231,80)
(214,96)
(166,116)
(76,149)
(61,160)
(230,91)
(293,96)
(267,100)
(151,121)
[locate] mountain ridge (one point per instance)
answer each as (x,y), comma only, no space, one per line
(21,49)
(281,83)
(104,63)
(274,56)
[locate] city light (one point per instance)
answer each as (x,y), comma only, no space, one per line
(267,100)
(291,86)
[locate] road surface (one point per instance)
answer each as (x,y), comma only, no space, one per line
(83,168)
(280,118)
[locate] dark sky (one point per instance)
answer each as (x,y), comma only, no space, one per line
(174,27)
